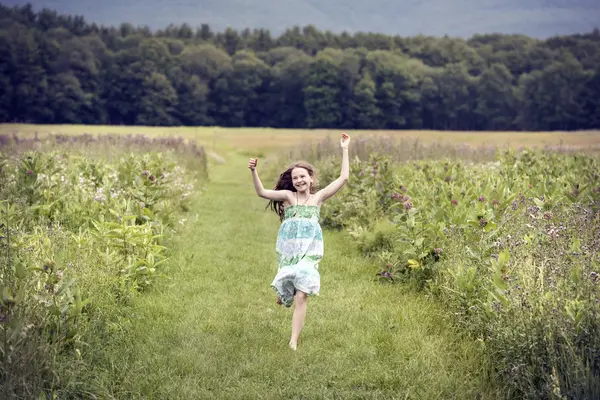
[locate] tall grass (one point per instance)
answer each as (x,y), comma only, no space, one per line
(83,230)
(401,149)
(506,240)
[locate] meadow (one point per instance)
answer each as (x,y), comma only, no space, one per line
(136,264)
(265,140)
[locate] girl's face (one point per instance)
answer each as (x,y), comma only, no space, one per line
(301,179)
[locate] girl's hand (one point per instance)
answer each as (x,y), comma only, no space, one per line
(253,163)
(345,141)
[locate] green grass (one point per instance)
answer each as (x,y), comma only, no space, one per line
(213,330)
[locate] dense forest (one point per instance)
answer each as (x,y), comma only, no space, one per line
(61,69)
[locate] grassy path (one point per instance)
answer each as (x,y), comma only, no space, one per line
(215,331)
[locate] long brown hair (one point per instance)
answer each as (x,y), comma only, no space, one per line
(285,183)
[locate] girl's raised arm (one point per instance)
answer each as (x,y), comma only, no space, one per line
(276,195)
(336,185)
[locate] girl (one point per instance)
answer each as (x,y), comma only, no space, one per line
(299,244)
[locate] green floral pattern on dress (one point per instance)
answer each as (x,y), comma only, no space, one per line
(299,250)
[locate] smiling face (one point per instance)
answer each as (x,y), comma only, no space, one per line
(301,179)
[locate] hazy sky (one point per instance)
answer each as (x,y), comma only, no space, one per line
(537,18)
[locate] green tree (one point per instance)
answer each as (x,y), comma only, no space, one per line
(496,103)
(397,80)
(590,102)
(192,106)
(156,103)
(457,90)
(364,111)
(205,61)
(551,99)
(28,80)
(124,80)
(67,100)
(239,93)
(322,92)
(229,40)
(439,52)
(287,91)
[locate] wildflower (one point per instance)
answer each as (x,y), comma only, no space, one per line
(400,197)
(100,197)
(495,202)
(533,210)
(152,178)
(481,199)
(29,172)
(390,265)
(408,205)
(145,172)
(553,233)
(454,202)
(437,250)
(448,179)
(548,215)
(483,222)
(594,276)
(402,188)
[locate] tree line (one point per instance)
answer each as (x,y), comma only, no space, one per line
(61,69)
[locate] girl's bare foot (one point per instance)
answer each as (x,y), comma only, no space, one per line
(293,346)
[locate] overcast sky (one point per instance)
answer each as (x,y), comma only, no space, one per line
(537,18)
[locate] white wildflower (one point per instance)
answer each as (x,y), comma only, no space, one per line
(100,197)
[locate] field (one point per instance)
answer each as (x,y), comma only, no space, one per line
(468,274)
(267,140)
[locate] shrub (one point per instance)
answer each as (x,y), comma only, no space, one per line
(509,245)
(81,233)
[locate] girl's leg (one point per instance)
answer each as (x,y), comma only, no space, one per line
(298,318)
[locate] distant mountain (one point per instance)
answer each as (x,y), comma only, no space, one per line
(463,18)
